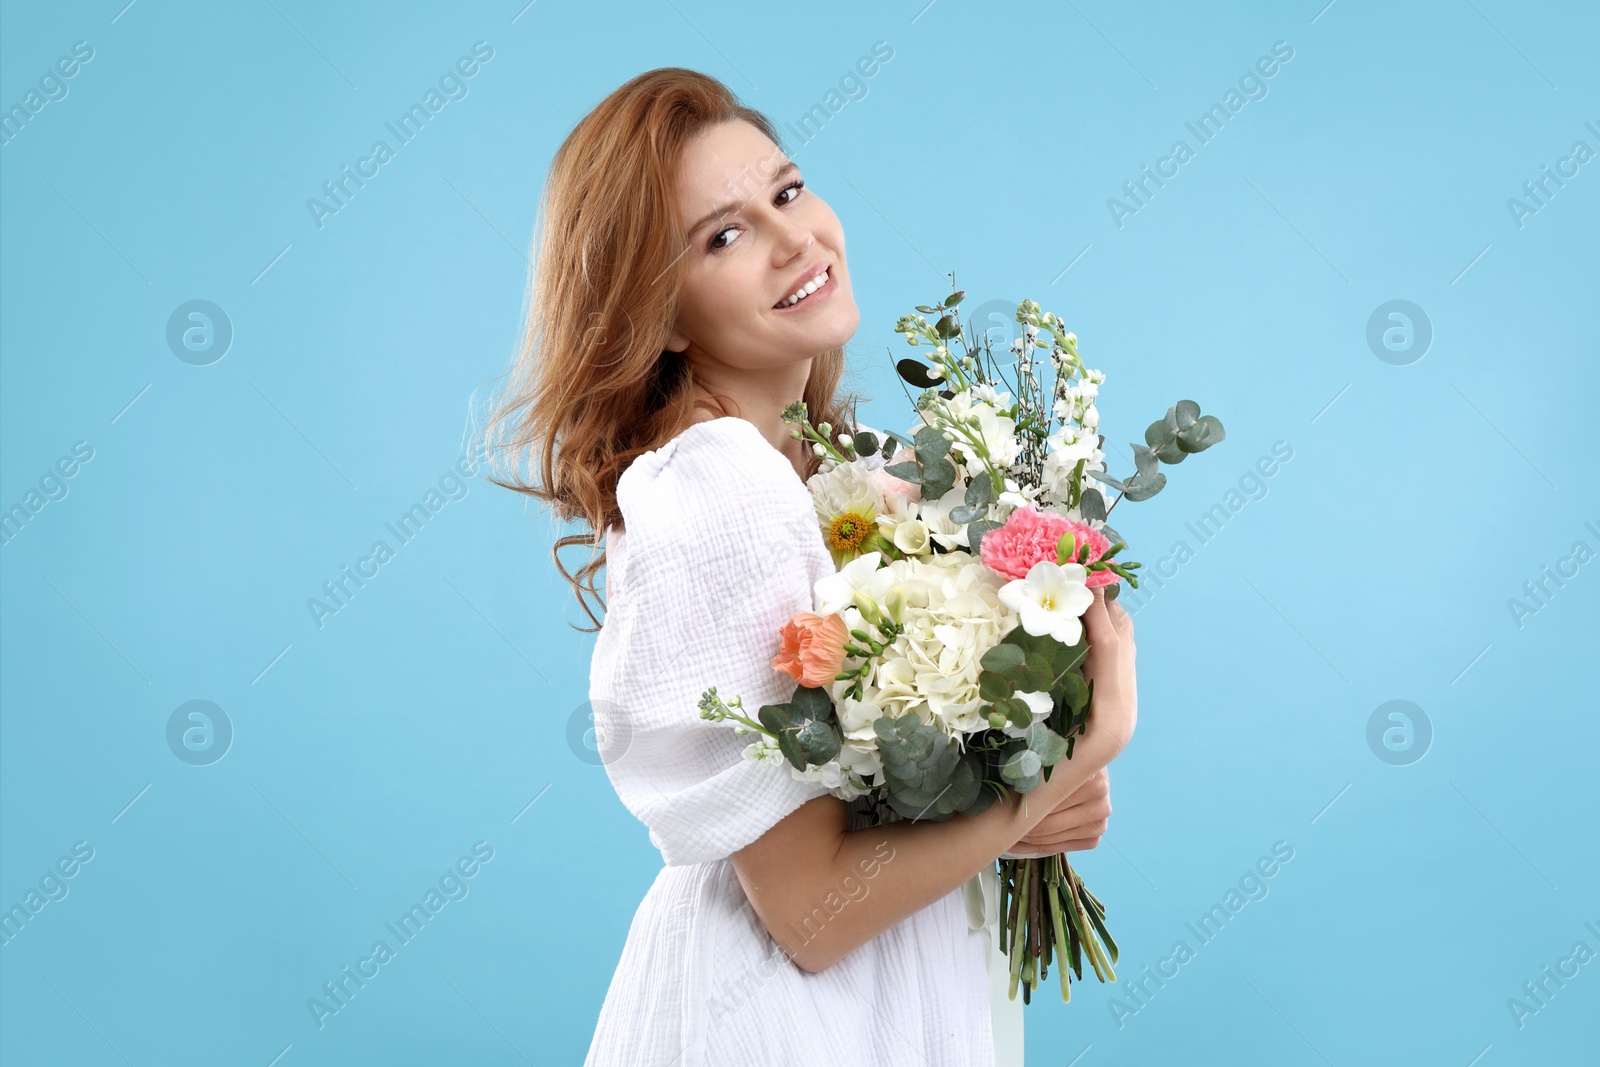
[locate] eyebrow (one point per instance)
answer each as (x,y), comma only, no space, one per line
(718,212)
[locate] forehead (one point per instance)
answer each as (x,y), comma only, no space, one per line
(722,164)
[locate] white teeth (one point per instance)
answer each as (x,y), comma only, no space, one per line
(806,290)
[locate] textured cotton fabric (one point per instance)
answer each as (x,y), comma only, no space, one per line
(721,547)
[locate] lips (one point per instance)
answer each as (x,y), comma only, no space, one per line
(799,282)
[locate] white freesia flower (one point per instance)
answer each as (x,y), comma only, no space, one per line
(1051,600)
(911,537)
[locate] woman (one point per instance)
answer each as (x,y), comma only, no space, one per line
(688,287)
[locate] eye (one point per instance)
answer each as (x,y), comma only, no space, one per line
(796,185)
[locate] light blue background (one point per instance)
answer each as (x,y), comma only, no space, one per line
(430,712)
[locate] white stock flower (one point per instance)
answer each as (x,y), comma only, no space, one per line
(1051,600)
(764,750)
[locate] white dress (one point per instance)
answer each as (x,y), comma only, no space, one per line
(721,547)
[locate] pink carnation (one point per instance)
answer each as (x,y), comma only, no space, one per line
(1030,536)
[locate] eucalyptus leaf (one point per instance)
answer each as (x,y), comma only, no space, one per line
(1049,745)
(993,686)
(1092,505)
(818,740)
(1206,431)
(1102,476)
(1187,412)
(916,373)
(865,443)
(1158,434)
(931,443)
(1142,487)
(1144,460)
(906,471)
(1003,658)
(937,478)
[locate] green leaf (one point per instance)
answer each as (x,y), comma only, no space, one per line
(1144,460)
(818,741)
(1003,658)
(926,773)
(1142,487)
(1046,743)
(1076,689)
(954,298)
(1037,675)
(937,478)
(992,686)
(945,327)
(1186,411)
(1016,710)
(906,471)
(865,443)
(1102,476)
(977,530)
(812,701)
(1171,452)
(1021,770)
(1206,431)
(916,373)
(1092,505)
(1157,434)
(931,443)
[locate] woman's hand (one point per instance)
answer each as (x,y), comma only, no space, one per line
(1075,824)
(1113,710)
(1114,707)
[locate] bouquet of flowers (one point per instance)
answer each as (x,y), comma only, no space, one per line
(942,665)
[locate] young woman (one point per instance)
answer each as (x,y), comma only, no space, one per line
(664,342)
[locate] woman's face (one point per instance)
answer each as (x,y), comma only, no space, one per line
(756,236)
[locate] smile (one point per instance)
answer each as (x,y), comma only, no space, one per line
(812,290)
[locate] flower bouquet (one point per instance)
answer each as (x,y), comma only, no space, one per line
(942,665)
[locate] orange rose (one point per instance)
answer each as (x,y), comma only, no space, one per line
(813,648)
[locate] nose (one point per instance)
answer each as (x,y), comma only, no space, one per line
(794,240)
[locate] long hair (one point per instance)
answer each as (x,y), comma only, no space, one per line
(592,386)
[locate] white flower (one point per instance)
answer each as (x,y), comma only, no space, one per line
(911,537)
(936,515)
(764,750)
(1051,600)
(953,616)
(836,591)
(1041,704)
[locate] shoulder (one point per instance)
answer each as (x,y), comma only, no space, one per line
(713,463)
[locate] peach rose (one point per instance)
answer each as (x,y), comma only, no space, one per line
(813,648)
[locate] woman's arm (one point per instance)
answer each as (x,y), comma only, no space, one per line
(822,890)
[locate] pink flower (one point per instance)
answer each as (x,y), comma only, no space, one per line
(1030,536)
(889,485)
(813,648)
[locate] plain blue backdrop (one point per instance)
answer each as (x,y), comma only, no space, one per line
(1441,859)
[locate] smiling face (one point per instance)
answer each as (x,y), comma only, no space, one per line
(756,236)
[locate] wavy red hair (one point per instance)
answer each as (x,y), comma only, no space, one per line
(592,386)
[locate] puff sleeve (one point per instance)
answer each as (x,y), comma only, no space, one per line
(720,547)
